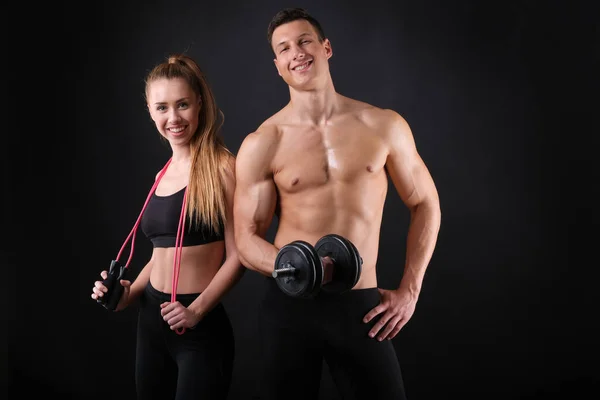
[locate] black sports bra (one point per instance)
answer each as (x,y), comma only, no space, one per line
(161,218)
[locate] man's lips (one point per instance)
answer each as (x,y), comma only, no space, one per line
(302,67)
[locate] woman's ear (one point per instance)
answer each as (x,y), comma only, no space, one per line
(149,111)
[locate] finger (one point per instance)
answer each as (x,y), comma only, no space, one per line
(389,327)
(100,286)
(171,311)
(98,292)
(379,325)
(175,320)
(374,312)
(125,283)
(178,325)
(165,308)
(104,274)
(398,327)
(166,303)
(396,330)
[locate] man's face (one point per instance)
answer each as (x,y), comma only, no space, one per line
(299,56)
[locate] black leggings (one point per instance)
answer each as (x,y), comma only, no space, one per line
(195,365)
(297,334)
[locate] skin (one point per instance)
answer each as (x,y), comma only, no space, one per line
(324,157)
(174,106)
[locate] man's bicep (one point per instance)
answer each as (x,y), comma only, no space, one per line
(254,205)
(406,168)
(255,194)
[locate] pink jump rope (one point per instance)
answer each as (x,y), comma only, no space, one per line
(117,272)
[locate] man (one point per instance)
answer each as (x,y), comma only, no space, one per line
(322,163)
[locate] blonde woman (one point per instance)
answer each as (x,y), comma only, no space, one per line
(185,343)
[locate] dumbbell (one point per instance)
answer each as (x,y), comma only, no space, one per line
(111,298)
(299,269)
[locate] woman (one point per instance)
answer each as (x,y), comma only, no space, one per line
(185,344)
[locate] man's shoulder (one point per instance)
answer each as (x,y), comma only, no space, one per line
(378,117)
(268,127)
(386,122)
(370,113)
(268,130)
(261,139)
(265,133)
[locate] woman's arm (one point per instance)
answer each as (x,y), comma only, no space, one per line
(231,270)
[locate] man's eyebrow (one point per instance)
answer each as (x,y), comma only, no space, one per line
(299,36)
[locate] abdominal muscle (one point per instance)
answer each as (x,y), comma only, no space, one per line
(199,264)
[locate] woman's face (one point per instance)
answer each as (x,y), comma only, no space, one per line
(174,108)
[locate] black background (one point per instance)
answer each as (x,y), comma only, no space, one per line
(502,101)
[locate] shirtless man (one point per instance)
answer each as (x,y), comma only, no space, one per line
(322,163)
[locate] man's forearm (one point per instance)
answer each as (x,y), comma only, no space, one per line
(257,254)
(422,237)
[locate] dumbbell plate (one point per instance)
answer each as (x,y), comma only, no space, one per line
(308,277)
(348,263)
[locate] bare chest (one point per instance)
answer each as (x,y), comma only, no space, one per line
(316,158)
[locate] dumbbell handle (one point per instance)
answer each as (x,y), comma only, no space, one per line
(287,270)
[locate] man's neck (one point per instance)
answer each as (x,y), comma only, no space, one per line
(314,106)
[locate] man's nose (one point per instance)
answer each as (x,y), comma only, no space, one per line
(298,53)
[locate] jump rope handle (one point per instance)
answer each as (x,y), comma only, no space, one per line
(111,298)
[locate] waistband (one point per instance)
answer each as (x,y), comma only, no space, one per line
(322,296)
(157,295)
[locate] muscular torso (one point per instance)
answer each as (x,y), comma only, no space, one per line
(198,264)
(332,179)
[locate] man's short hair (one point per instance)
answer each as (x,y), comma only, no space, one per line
(293,14)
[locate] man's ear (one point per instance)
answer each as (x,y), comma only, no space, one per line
(276,66)
(328,49)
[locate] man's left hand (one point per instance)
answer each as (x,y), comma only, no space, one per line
(396,307)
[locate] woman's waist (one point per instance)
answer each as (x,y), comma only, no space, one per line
(205,254)
(191,274)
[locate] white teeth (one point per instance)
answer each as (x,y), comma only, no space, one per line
(301,67)
(176,130)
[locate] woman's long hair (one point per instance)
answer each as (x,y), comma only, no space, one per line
(206,203)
